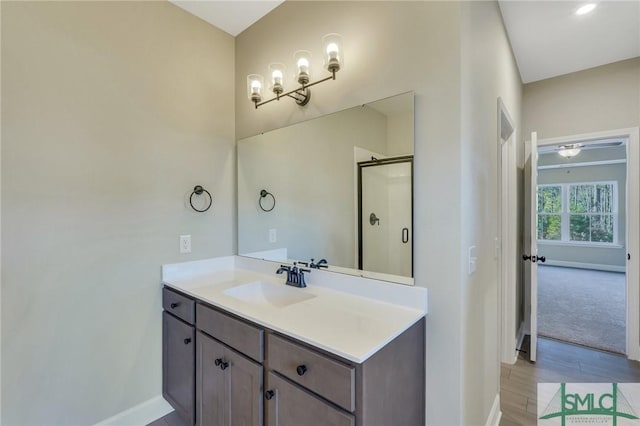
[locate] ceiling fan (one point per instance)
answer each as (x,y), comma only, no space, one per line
(573,149)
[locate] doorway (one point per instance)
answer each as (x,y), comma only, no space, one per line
(581,218)
(583,237)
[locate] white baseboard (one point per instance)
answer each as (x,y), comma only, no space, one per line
(634,354)
(595,266)
(495,414)
(141,414)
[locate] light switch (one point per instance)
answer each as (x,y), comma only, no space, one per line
(273,237)
(472,259)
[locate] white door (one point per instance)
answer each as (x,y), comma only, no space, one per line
(531,246)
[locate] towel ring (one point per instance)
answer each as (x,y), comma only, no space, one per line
(198,190)
(263,194)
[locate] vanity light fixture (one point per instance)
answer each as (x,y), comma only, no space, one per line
(568,151)
(333,60)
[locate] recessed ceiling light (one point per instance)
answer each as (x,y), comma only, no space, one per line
(586,9)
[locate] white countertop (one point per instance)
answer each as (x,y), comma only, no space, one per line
(353,322)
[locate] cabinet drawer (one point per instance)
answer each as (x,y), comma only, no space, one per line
(179,305)
(328,378)
(290,405)
(236,333)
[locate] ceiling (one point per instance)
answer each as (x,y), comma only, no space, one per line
(547,37)
(232,17)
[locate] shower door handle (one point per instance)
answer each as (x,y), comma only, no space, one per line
(405,235)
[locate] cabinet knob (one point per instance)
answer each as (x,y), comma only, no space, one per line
(174,305)
(217,362)
(187,340)
(224,365)
(269,394)
(301,370)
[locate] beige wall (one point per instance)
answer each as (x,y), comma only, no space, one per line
(598,99)
(489,71)
(446,53)
(111,113)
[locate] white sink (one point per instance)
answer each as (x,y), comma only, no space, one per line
(264,293)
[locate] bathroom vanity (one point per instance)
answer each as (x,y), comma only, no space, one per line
(242,348)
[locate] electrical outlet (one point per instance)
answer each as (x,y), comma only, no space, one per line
(185,244)
(273,237)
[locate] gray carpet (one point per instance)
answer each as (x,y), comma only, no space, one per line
(582,306)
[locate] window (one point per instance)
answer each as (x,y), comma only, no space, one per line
(549,212)
(583,213)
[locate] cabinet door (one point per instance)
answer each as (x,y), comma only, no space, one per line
(229,388)
(290,405)
(178,365)
(210,383)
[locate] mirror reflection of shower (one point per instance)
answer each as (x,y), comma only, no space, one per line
(385,192)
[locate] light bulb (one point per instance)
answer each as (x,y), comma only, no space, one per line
(276,75)
(255,82)
(302,60)
(332,51)
(255,87)
(303,65)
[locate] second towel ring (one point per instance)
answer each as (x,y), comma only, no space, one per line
(263,194)
(198,190)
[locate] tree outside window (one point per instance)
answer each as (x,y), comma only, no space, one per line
(591,212)
(549,213)
(583,213)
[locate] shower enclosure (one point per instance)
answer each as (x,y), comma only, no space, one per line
(385,215)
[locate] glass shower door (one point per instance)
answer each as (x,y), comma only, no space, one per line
(385,216)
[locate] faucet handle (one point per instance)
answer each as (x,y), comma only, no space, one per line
(322,263)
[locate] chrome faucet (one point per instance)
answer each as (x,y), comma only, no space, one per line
(295,275)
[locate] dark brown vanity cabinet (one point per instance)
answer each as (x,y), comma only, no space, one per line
(245,375)
(306,386)
(290,405)
(178,354)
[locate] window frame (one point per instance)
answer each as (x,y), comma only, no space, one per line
(565,232)
(560,213)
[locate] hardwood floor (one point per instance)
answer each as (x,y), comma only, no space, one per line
(557,362)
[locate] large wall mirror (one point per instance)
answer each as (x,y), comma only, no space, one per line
(337,188)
